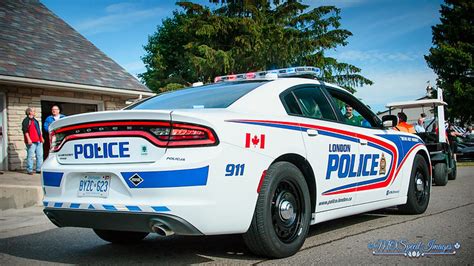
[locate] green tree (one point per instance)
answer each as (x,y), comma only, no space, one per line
(451,57)
(198,43)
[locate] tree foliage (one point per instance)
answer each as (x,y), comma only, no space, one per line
(198,43)
(451,57)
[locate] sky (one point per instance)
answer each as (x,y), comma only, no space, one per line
(389,38)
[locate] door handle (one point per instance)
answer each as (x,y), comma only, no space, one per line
(363,142)
(312,132)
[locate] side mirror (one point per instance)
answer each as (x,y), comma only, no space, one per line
(389,121)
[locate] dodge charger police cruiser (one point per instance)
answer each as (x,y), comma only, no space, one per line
(262,154)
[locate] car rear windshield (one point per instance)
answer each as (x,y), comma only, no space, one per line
(219,95)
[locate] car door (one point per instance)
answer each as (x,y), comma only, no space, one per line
(328,150)
(377,177)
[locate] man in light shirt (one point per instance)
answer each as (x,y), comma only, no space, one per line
(419,128)
(55,116)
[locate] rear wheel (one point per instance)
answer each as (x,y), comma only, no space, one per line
(419,188)
(440,174)
(282,214)
(120,237)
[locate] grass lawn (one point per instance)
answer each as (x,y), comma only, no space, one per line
(462,164)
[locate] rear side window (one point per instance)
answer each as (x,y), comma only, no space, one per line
(313,103)
(291,105)
(219,95)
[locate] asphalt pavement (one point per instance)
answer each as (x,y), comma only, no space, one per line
(27,237)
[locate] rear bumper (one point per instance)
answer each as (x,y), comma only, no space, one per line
(121,221)
(194,188)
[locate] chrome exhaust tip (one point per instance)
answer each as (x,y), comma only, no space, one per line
(161,229)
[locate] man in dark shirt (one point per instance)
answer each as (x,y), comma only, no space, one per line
(33,140)
(351,119)
(452,139)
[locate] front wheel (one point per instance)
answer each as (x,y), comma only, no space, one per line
(419,188)
(282,214)
(120,237)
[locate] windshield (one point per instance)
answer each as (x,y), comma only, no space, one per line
(219,95)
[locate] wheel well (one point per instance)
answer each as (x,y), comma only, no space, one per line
(427,160)
(304,166)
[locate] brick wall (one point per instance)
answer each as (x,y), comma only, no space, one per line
(19,98)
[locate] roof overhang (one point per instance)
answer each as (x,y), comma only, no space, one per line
(416,104)
(12,80)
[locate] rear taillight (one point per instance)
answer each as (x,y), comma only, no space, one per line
(185,135)
(55,140)
(162,134)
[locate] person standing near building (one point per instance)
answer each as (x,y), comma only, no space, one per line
(55,115)
(1,143)
(33,140)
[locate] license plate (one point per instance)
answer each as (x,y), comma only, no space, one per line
(94,186)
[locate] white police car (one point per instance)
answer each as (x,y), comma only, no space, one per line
(253,153)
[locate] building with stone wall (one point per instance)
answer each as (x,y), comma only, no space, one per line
(45,62)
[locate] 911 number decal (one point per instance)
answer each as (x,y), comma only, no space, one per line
(234,169)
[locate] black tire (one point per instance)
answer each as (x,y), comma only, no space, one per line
(454,170)
(419,189)
(120,237)
(440,174)
(276,231)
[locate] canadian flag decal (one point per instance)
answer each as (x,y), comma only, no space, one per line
(255,141)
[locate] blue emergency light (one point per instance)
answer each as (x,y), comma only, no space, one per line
(300,71)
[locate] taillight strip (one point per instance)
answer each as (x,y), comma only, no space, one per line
(114,123)
(211,138)
(133,133)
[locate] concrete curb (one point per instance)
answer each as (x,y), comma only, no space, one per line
(18,197)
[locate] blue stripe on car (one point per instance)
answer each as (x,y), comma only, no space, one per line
(171,178)
(52,179)
(160,208)
(109,207)
(268,125)
(134,208)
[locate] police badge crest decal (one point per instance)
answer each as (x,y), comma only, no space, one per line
(383,165)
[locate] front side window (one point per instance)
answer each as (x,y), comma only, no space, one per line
(352,111)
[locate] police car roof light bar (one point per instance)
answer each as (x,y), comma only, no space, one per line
(300,71)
